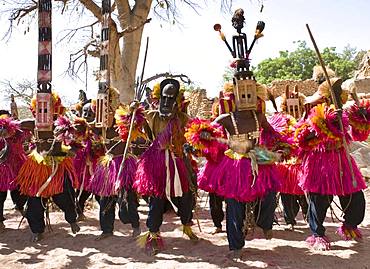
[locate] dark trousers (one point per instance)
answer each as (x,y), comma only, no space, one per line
(18,199)
(81,202)
(353,206)
(157,208)
(127,211)
(65,201)
(235,215)
(217,213)
(291,204)
(265,211)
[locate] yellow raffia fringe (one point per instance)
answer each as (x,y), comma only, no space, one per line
(105,160)
(186,229)
(352,234)
(236,156)
(156,91)
(142,239)
(45,160)
(320,121)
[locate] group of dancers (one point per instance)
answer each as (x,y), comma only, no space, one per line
(150,151)
(249,159)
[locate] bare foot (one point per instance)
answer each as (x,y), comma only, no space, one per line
(36,237)
(217,230)
(103,236)
(81,217)
(74,227)
(235,255)
(290,228)
(268,234)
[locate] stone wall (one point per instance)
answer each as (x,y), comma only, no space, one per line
(362,85)
(24,112)
(200,106)
(362,76)
(307,87)
(364,68)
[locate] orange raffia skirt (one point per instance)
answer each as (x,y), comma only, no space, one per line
(37,170)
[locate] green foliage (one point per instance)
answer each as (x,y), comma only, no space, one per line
(299,63)
(189,87)
(228,74)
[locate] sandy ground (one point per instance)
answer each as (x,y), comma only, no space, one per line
(61,249)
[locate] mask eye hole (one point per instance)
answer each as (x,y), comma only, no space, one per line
(243,96)
(249,96)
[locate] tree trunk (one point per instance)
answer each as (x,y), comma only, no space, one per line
(116,67)
(131,48)
(124,62)
(130,56)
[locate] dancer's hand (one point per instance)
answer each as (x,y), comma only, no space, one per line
(134,105)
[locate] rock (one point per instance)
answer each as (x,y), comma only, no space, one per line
(360,152)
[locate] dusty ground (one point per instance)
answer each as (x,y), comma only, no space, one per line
(61,249)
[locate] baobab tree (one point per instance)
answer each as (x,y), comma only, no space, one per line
(128,21)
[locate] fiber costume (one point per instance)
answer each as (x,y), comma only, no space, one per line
(48,172)
(239,176)
(162,173)
(292,196)
(90,149)
(109,183)
(243,171)
(327,168)
(113,186)
(12,156)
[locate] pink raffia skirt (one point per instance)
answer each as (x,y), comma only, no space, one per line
(105,181)
(151,174)
(234,179)
(328,173)
(10,168)
(290,175)
(84,169)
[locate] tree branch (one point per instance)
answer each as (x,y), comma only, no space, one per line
(182,77)
(23,90)
(19,14)
(123,7)
(130,29)
(64,4)
(94,8)
(78,59)
(72,32)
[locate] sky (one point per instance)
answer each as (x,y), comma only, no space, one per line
(194,48)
